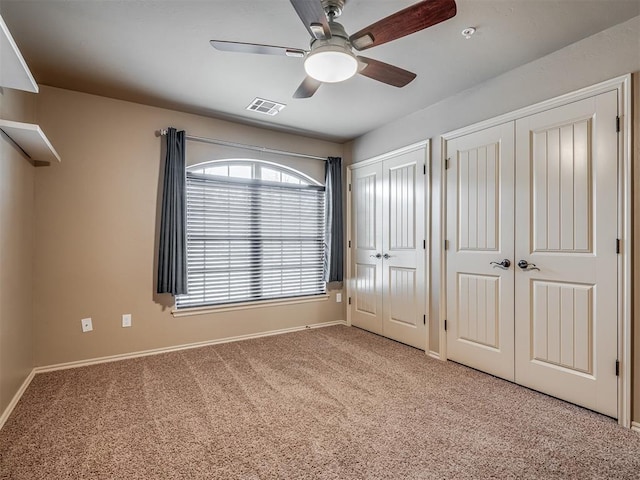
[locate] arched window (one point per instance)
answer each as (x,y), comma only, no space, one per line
(253,169)
(255,231)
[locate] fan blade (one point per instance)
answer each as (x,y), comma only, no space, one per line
(385,73)
(409,20)
(307,88)
(239,47)
(312,15)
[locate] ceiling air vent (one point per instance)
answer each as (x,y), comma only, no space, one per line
(268,107)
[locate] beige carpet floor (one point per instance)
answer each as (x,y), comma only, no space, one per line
(328,403)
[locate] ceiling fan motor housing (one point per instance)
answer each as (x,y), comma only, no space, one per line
(339,38)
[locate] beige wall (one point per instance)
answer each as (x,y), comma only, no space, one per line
(96,221)
(613,52)
(16,251)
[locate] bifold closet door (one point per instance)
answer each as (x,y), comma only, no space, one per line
(388,256)
(480,325)
(566,225)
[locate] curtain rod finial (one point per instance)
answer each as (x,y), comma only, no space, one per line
(161,132)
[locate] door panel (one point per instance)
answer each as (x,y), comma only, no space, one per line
(566,206)
(403,236)
(560,188)
(366,191)
(402,294)
(367,243)
(562,325)
(401,199)
(478,305)
(480,231)
(367,296)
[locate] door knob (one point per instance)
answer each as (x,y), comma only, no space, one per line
(386,256)
(524,265)
(377,255)
(506,263)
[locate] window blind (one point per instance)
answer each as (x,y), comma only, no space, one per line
(252,240)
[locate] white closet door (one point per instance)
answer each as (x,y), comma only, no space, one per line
(566,224)
(403,262)
(366,270)
(388,257)
(479,226)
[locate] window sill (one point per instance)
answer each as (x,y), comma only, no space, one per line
(186,312)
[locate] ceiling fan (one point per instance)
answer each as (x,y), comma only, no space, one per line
(331,58)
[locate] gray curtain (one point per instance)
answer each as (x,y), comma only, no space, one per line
(172,251)
(333,240)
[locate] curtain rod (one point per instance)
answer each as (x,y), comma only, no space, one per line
(247,147)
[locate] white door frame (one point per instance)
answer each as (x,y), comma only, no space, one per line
(426,145)
(622,86)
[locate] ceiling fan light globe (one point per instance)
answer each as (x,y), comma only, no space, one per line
(331,64)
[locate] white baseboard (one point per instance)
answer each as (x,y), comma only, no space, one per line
(433,354)
(157,351)
(635,426)
(16,398)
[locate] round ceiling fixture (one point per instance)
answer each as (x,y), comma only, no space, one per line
(331,64)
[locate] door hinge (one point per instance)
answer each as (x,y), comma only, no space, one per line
(445,325)
(349,301)
(618,124)
(617,368)
(446,164)
(424,169)
(349,187)
(446,244)
(617,245)
(424,319)
(424,244)
(349,244)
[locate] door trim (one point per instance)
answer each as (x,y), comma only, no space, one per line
(393,153)
(423,144)
(622,86)
(347,243)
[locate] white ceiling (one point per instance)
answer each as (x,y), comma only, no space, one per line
(158,53)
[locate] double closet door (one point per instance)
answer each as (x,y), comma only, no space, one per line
(532,263)
(388,239)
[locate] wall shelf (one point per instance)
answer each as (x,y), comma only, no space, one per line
(14,72)
(31,140)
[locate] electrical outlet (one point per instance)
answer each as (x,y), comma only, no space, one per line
(338,297)
(126,320)
(87,325)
